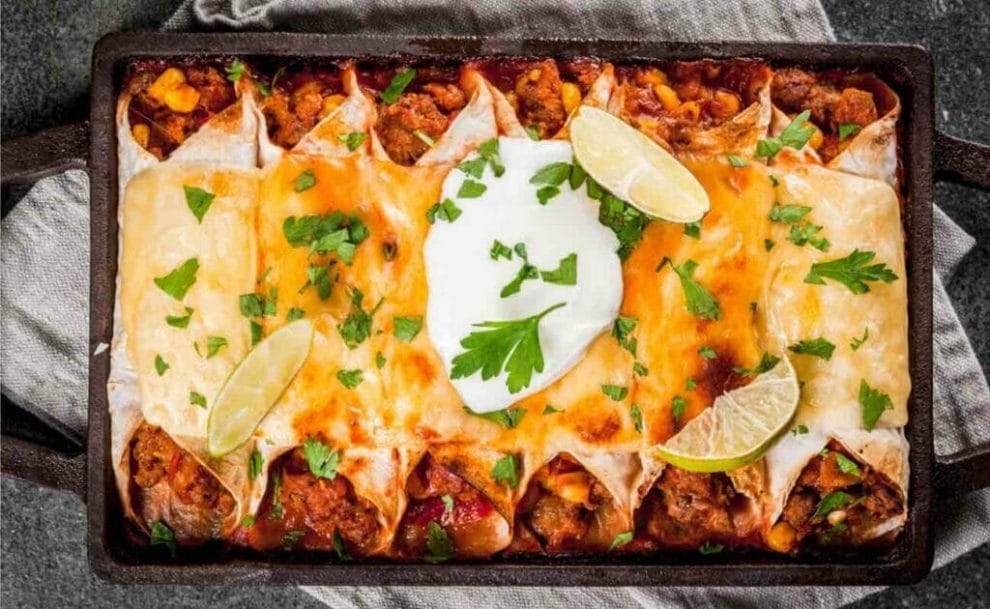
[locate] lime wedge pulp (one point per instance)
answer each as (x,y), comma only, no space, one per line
(255,385)
(635,168)
(740,425)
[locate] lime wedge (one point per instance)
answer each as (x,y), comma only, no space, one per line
(255,384)
(633,167)
(740,425)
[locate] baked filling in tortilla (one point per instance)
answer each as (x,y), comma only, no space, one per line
(333,224)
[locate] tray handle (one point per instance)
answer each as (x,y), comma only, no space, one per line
(22,160)
(967,163)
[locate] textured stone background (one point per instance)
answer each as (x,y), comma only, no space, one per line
(45,72)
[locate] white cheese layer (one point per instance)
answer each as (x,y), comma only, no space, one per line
(465,282)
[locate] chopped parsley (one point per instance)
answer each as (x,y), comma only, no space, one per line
(796,135)
(621,330)
(198,200)
(448,504)
(847,129)
(338,547)
(544,194)
(278,510)
(577,176)
(235,70)
(500,250)
(677,407)
(737,161)
(395,88)
(506,471)
(700,302)
(640,369)
(709,548)
(858,342)
(690,384)
(321,459)
(527,271)
(512,344)
(847,465)
(214,344)
(357,325)
(565,273)
(350,378)
(439,545)
(305,181)
(353,140)
(800,430)
(180,321)
(853,271)
(874,403)
(258,305)
(332,233)
(768,244)
(248,521)
(623,219)
(255,463)
(471,190)
(178,282)
(161,366)
(615,392)
(767,363)
(533,133)
(553,174)
(291,538)
(819,347)
(620,540)
(473,167)
(707,352)
(507,417)
(446,210)
(380,360)
(550,409)
(489,151)
(693,229)
(318,275)
(831,502)
(788,214)
(803,232)
(406,328)
(197,399)
(295,313)
(161,535)
(637,417)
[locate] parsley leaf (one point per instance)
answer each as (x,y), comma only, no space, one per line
(446,210)
(338,547)
(690,384)
(161,535)
(248,521)
(677,407)
(623,219)
(255,463)
(620,540)
(640,369)
(819,347)
(357,325)
(161,366)
(616,392)
(847,129)
(350,378)
(621,330)
(295,313)
(506,471)
(514,344)
(767,363)
(235,70)
(448,504)
(858,342)
(305,181)
(737,161)
(788,214)
(178,282)
(471,190)
(395,88)
(406,328)
(257,305)
(197,399)
(214,344)
(507,417)
(699,301)
(198,200)
(804,232)
(832,502)
(549,409)
(321,459)
(319,276)
(553,174)
(380,360)
(353,139)
(278,510)
(291,538)
(439,545)
(489,151)
(577,176)
(853,271)
(874,403)
(565,273)
(533,133)
(543,195)
(800,430)
(768,244)
(709,548)
(500,250)
(693,229)
(637,417)
(474,167)
(847,465)
(707,352)
(180,321)
(527,271)
(796,135)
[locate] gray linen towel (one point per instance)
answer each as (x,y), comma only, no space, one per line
(44,252)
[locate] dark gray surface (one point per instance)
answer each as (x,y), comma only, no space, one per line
(45,61)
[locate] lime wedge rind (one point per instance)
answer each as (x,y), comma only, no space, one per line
(739,427)
(255,385)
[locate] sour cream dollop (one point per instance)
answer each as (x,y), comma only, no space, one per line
(465,281)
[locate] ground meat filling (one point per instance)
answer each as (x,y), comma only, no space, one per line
(298,100)
(195,496)
(412,125)
(686,509)
(832,106)
(560,506)
(169,103)
(303,511)
(438,496)
(836,502)
(674,101)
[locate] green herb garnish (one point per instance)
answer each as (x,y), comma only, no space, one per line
(819,347)
(395,88)
(198,200)
(853,271)
(406,328)
(874,404)
(321,459)
(699,301)
(506,471)
(178,282)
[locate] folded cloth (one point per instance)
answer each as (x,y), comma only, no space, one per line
(44,252)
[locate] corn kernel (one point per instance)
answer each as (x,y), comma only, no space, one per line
(728,101)
(182,98)
(668,98)
(836,517)
(330,103)
(781,537)
(690,110)
(654,76)
(571,96)
(534,74)
(166,81)
(817,138)
(141,134)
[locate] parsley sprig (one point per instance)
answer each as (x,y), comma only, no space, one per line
(322,460)
(796,135)
(700,302)
(853,271)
